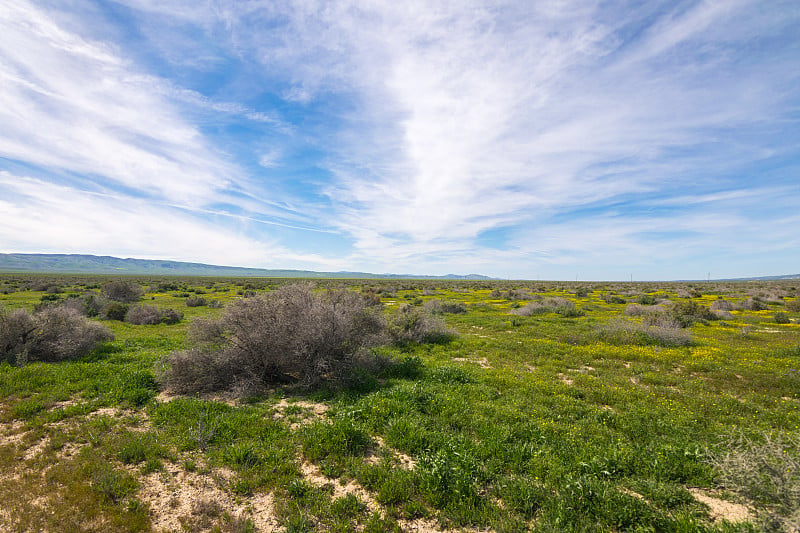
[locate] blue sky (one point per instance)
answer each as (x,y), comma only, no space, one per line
(517,139)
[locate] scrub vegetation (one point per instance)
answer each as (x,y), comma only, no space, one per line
(397,405)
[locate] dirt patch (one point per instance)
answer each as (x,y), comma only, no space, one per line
(482,362)
(722,509)
(36,450)
(299,413)
(423,525)
(634,494)
(227,399)
(313,475)
(566,380)
(176,498)
(404,461)
(10,434)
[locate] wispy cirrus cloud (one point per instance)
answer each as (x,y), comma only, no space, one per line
(431,137)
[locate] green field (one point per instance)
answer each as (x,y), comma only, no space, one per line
(557,407)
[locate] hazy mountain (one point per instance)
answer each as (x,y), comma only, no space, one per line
(93,264)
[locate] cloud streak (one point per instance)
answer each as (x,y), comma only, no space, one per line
(505,136)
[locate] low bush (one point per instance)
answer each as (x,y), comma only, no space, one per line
(721,305)
(122,291)
(753,304)
(290,335)
(53,334)
(113,311)
(646,299)
(781,318)
(560,306)
(661,331)
(439,307)
(196,301)
(793,305)
(414,325)
(170,316)
(688,312)
(143,314)
(150,314)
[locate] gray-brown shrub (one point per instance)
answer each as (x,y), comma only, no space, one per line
(410,324)
(52,334)
(290,335)
(123,291)
(150,314)
(562,306)
(793,305)
(659,330)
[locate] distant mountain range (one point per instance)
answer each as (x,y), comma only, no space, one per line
(93,264)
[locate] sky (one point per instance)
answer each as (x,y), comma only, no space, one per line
(526,139)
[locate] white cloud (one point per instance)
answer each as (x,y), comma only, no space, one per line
(75,104)
(458,118)
(37,216)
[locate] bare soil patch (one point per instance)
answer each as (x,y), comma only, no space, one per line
(721,509)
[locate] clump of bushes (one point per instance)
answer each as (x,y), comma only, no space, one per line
(793,305)
(511,294)
(781,318)
(196,301)
(439,307)
(114,311)
(657,330)
(688,312)
(765,473)
(150,314)
(562,306)
(290,335)
(414,325)
(646,299)
(52,334)
(614,299)
(122,291)
(753,304)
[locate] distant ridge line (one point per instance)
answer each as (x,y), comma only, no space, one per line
(95,264)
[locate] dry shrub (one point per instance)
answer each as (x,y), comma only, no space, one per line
(687,312)
(793,305)
(561,306)
(721,305)
(414,325)
(16,329)
(782,318)
(658,330)
(143,314)
(724,315)
(53,334)
(122,291)
(196,301)
(439,307)
(752,304)
(150,314)
(764,473)
(290,335)
(198,370)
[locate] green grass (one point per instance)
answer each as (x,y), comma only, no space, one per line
(521,423)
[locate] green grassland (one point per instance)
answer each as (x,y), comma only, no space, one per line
(549,422)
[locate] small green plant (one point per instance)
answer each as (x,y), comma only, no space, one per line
(781,318)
